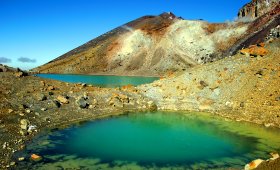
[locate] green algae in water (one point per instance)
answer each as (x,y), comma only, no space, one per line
(154,140)
(101,81)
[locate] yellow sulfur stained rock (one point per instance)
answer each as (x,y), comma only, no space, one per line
(62,99)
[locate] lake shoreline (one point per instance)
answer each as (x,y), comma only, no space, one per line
(45,114)
(210,126)
(105,74)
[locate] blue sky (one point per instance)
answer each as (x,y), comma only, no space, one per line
(33,32)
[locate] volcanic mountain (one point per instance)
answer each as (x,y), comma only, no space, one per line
(155,45)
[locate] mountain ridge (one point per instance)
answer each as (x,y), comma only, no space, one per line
(156,45)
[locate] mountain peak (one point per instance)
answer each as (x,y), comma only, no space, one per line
(168,15)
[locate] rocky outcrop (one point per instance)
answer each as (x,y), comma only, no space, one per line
(256,8)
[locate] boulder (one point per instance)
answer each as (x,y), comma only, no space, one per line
(274,155)
(55,103)
(41,97)
(62,99)
(35,157)
(24,124)
(254,50)
(50,88)
(31,128)
(82,102)
(254,164)
(27,110)
(43,109)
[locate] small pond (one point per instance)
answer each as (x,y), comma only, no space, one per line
(158,140)
(102,81)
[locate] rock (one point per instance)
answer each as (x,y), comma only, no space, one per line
(277,98)
(35,157)
(42,83)
(23,106)
(254,51)
(47,119)
(274,156)
(43,109)
(31,128)
(203,83)
(23,132)
(19,74)
(62,99)
(5,145)
(28,111)
(10,111)
(254,164)
(82,103)
(13,163)
(242,104)
(92,106)
(50,93)
(262,44)
(21,159)
(268,124)
(50,88)
(56,103)
(259,73)
(152,106)
(24,124)
(42,97)
(116,102)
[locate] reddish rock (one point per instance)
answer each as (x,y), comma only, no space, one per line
(35,157)
(254,51)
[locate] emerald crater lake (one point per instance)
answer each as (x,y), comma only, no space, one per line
(100,80)
(153,140)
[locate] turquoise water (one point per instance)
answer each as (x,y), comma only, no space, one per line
(102,81)
(154,140)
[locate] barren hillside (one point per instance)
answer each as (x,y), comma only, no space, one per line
(155,45)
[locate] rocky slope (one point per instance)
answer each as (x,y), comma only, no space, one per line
(241,85)
(256,8)
(155,45)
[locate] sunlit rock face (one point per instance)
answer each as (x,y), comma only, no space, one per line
(256,8)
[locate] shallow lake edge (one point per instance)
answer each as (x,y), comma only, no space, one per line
(80,121)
